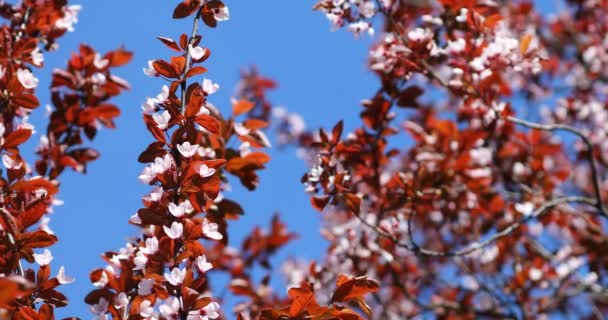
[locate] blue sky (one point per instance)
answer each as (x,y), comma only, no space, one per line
(321,75)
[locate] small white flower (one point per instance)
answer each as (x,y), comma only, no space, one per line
(186,149)
(121,300)
(221,14)
(456,46)
(212,310)
(150,71)
(162,120)
(181,209)
(209,87)
(70,17)
(102,282)
(43,258)
(535,274)
(196,52)
(27,79)
(151,245)
(240,129)
(140,261)
(420,35)
(210,230)
(202,264)
(62,277)
(99,62)
(98,78)
(526,208)
(135,218)
(170,307)
(176,277)
(2,71)
(155,195)
(100,307)
(175,231)
(245,148)
(145,287)
(10,163)
(147,175)
(161,165)
(205,171)
(145,309)
(37,57)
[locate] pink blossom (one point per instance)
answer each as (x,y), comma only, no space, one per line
(205,171)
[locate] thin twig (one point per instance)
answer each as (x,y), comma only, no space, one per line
(599,204)
(468,249)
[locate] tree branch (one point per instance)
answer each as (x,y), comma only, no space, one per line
(599,204)
(468,249)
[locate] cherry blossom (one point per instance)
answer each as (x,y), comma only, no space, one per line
(221,14)
(146,309)
(202,264)
(27,79)
(187,150)
(145,287)
(176,276)
(43,258)
(150,71)
(196,52)
(210,230)
(209,87)
(175,231)
(205,171)
(170,308)
(62,277)
(162,119)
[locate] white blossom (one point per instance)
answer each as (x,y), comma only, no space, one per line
(43,258)
(170,308)
(27,79)
(70,17)
(176,277)
(204,171)
(101,307)
(145,287)
(186,149)
(62,277)
(162,119)
(150,71)
(146,309)
(202,264)
(210,230)
(221,14)
(196,52)
(209,87)
(175,231)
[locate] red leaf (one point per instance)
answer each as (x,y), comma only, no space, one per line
(170,43)
(164,68)
(242,106)
(195,71)
(17,137)
(25,100)
(209,123)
